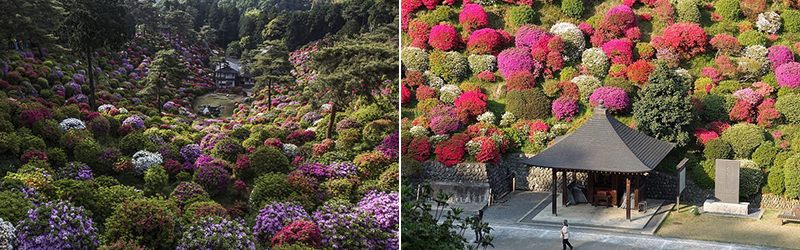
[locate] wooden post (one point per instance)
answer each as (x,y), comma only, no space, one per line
(628,197)
(564,199)
(636,192)
(555,187)
(591,187)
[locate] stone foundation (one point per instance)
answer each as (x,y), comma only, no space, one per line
(496,175)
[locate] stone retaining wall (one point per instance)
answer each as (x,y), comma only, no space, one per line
(776,202)
(496,175)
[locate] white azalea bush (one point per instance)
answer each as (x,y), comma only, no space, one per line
(72,124)
(143,159)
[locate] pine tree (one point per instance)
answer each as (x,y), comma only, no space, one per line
(271,67)
(664,109)
(166,71)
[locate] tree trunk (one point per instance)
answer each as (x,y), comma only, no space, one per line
(331,122)
(158,101)
(269,96)
(91,80)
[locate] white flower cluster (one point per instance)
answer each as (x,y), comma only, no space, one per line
(324,107)
(456,64)
(418,131)
(487,117)
(484,2)
(71,124)
(559,129)
(123,110)
(507,119)
(759,54)
(448,94)
(106,108)
(769,22)
(542,137)
(685,74)
(481,63)
(415,59)
(573,39)
(473,147)
(596,61)
(143,159)
(312,129)
(436,139)
(586,85)
(7,235)
(289,150)
(433,80)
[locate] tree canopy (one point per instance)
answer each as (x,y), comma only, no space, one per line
(664,107)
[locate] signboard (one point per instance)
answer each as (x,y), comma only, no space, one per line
(682,173)
(726,185)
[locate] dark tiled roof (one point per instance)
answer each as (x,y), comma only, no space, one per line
(228,69)
(603,144)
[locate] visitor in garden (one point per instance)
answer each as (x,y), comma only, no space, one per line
(565,236)
(476,221)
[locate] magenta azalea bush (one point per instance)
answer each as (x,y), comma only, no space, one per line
(788,75)
(779,55)
(472,17)
(443,37)
(530,36)
(565,108)
(613,98)
(512,60)
(620,51)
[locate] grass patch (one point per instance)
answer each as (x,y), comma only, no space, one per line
(764,232)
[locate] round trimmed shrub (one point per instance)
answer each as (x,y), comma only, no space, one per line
(13,206)
(343,227)
(619,50)
(752,37)
(7,235)
(615,99)
(791,20)
(596,61)
(201,209)
(519,15)
(639,72)
(150,222)
(688,39)
(788,75)
(455,67)
(57,226)
(529,104)
(274,216)
(473,17)
(791,176)
(775,180)
(415,59)
(717,149)
(155,179)
(484,41)
(726,44)
(268,188)
(521,80)
(789,107)
(482,63)
(765,154)
(744,139)
(514,59)
(729,9)
(187,193)
(300,232)
(267,160)
(449,93)
(779,55)
(621,16)
(444,37)
(750,178)
(586,85)
(687,11)
(769,22)
(572,37)
(751,8)
(531,36)
(565,108)
(371,164)
(217,233)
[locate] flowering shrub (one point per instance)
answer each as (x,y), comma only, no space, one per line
(217,233)
(344,228)
(769,22)
(472,17)
(57,225)
(444,124)
(136,122)
(488,150)
(201,209)
(151,222)
(487,117)
(565,108)
(188,192)
(191,152)
(725,44)
(344,169)
(512,60)
(639,72)
(484,41)
(144,159)
(596,61)
(7,235)
(529,37)
(451,151)
(572,38)
(298,232)
(448,93)
(444,37)
(71,124)
(75,171)
(729,9)
(748,95)
(521,80)
(415,59)
(273,217)
(371,164)
(621,16)
(99,126)
(384,207)
(620,51)
(268,159)
(613,98)
(419,149)
(470,105)
(213,177)
(483,63)
(586,85)
(767,113)
(788,75)
(779,55)
(703,135)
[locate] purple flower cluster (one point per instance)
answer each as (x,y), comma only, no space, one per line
(748,95)
(170,105)
(191,152)
(514,59)
(57,226)
(339,224)
(134,121)
(75,171)
(317,171)
(779,55)
(383,207)
(210,140)
(217,233)
(78,78)
(213,177)
(444,124)
(390,146)
(347,123)
(290,126)
(57,88)
(788,75)
(187,191)
(311,117)
(344,169)
(565,108)
(274,217)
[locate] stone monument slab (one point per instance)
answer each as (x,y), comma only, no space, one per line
(713,206)
(726,185)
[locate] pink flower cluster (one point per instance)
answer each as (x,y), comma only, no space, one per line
(444,37)
(473,17)
(788,75)
(565,108)
(614,98)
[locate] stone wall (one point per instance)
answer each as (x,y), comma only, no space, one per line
(535,178)
(775,202)
(496,175)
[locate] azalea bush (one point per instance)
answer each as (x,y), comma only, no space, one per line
(216,233)
(273,217)
(57,224)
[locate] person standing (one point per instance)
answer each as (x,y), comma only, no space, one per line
(477,221)
(565,236)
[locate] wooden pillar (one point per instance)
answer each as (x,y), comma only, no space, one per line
(591,188)
(628,197)
(636,191)
(555,188)
(564,199)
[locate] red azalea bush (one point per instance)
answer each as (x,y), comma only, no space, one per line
(788,75)
(688,39)
(620,51)
(726,44)
(767,113)
(741,111)
(405,95)
(487,76)
(489,150)
(521,80)
(718,126)
(425,92)
(419,149)
(639,71)
(298,232)
(444,37)
(615,99)
(470,105)
(565,108)
(451,151)
(704,135)
(419,30)
(414,78)
(484,41)
(472,17)
(512,60)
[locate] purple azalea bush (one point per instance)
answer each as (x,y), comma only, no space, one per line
(317,171)
(779,55)
(615,99)
(187,191)
(512,60)
(217,233)
(191,152)
(274,217)
(390,146)
(344,169)
(57,226)
(75,171)
(343,227)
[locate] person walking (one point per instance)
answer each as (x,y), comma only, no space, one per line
(565,236)
(477,221)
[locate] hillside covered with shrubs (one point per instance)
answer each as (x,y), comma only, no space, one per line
(484,78)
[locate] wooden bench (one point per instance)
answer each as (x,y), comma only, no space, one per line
(786,216)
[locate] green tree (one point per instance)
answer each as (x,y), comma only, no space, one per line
(664,109)
(181,23)
(89,25)
(353,68)
(142,14)
(29,20)
(271,67)
(165,71)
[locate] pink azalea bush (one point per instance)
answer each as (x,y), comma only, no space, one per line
(614,98)
(443,37)
(788,75)
(484,41)
(620,51)
(514,59)
(779,55)
(565,108)
(473,17)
